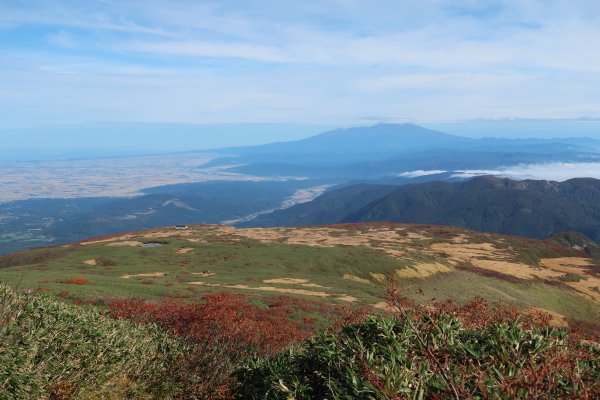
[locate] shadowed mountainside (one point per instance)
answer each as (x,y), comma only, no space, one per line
(527,208)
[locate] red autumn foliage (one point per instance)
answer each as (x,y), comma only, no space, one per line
(75,281)
(537,379)
(63,294)
(221,317)
(224,328)
(478,313)
(349,315)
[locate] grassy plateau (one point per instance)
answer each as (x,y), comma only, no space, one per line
(370,311)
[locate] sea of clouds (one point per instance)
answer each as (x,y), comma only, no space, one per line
(555,171)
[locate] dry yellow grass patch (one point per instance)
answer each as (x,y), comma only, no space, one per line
(422,270)
(185,250)
(111,239)
(467,251)
(147,274)
(566,263)
(551,269)
(329,237)
(267,289)
(385,234)
(260,234)
(200,283)
(460,238)
(498,261)
(126,243)
(290,281)
(378,277)
(489,257)
(316,239)
(587,287)
(345,297)
(166,234)
(293,291)
(314,285)
(90,262)
(386,239)
(575,265)
(517,270)
(395,253)
(356,278)
(417,236)
(382,305)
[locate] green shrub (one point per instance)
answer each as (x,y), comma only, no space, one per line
(52,349)
(571,277)
(428,356)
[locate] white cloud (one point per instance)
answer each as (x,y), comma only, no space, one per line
(63,39)
(420,172)
(282,61)
(557,171)
(207,49)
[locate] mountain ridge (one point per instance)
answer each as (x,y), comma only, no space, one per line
(381,137)
(528,208)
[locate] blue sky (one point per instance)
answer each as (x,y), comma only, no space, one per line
(317,63)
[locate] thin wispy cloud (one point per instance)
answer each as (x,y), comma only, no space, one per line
(284,61)
(418,173)
(207,49)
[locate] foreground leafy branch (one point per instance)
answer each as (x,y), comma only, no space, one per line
(432,353)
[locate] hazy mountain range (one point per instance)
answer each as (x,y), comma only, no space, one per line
(364,169)
(388,149)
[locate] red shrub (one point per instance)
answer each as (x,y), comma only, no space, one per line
(63,294)
(75,281)
(222,317)
(348,315)
(225,329)
(537,378)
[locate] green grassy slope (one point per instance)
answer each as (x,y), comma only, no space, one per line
(208,259)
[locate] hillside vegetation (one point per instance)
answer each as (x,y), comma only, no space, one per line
(342,265)
(527,208)
(431,355)
(224,348)
(215,312)
(49,349)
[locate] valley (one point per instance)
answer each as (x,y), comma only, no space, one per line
(345,175)
(104,177)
